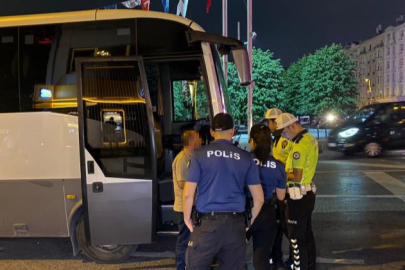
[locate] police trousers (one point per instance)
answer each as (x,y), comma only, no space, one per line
(302,238)
(219,236)
(277,251)
(263,232)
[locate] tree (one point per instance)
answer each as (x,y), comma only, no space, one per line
(327,83)
(201,101)
(292,88)
(182,101)
(184,107)
(267,75)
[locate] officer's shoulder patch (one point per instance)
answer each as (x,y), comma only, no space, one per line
(296,155)
(284,144)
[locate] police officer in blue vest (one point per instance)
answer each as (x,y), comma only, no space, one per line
(273,178)
(219,172)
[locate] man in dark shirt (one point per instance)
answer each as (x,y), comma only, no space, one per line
(220,171)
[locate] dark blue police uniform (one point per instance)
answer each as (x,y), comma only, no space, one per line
(221,171)
(263,231)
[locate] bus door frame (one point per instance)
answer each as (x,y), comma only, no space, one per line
(82,125)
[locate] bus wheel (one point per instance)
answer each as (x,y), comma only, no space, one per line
(102,254)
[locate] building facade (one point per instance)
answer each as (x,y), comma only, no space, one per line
(379,65)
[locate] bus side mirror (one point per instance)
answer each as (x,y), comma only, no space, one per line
(241,59)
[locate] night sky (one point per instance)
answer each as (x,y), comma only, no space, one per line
(289,28)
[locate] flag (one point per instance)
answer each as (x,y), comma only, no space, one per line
(131,3)
(145,4)
(165,4)
(182,8)
(208,5)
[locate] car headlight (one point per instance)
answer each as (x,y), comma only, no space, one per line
(348,133)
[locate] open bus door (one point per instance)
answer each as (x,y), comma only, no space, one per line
(116,154)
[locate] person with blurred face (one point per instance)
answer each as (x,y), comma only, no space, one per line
(300,168)
(191,141)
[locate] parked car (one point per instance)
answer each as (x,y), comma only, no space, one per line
(371,129)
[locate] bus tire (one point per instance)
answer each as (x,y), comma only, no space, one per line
(102,254)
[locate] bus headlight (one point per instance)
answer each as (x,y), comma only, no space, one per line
(348,133)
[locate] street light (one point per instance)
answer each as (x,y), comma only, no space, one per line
(369,89)
(330,118)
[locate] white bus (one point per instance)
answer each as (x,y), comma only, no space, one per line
(92,105)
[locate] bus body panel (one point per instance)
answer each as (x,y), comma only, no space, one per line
(39,145)
(40,166)
(38,208)
(72,203)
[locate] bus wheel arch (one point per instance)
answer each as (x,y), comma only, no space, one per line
(74,217)
(102,254)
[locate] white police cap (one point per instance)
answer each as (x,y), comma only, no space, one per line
(284,120)
(272,113)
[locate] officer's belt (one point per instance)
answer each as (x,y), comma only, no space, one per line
(307,186)
(216,215)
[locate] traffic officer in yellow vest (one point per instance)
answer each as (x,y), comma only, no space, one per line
(281,148)
(300,168)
